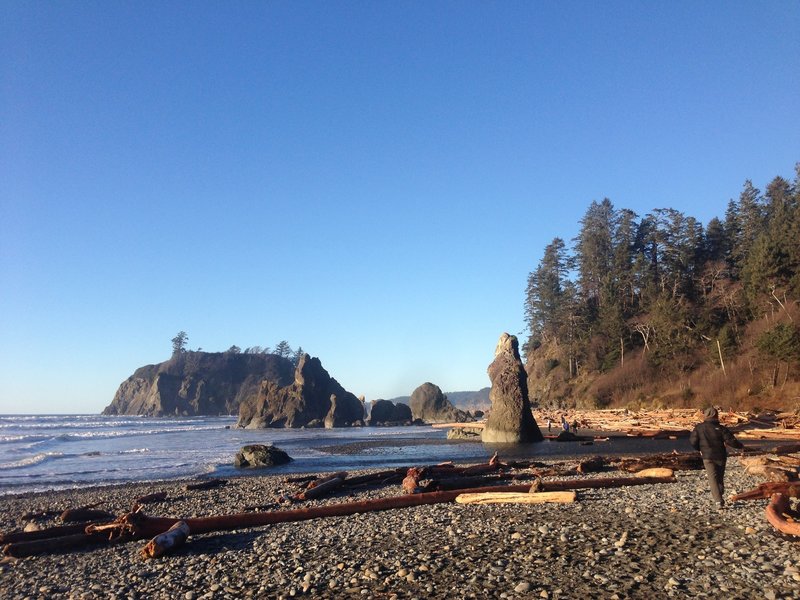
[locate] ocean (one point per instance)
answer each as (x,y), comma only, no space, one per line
(50,452)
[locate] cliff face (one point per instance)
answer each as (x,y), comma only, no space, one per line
(311,399)
(198,383)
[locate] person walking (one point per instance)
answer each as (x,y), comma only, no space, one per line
(710,438)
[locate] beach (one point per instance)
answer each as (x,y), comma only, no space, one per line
(651,541)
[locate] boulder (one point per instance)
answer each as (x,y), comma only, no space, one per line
(510,420)
(430,405)
(386,412)
(313,399)
(472,434)
(259,455)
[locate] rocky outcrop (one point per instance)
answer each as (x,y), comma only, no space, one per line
(429,404)
(260,455)
(197,383)
(386,412)
(313,399)
(510,420)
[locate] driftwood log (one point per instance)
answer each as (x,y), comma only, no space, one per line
(166,542)
(766,490)
(516,498)
(322,487)
(56,544)
(781,516)
(207,484)
(138,525)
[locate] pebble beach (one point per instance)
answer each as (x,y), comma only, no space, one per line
(653,541)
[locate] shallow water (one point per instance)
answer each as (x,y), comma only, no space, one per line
(41,452)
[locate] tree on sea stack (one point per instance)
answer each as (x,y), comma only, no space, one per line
(179,343)
(510,420)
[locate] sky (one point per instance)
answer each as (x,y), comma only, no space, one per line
(372,181)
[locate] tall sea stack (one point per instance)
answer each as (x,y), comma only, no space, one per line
(510,420)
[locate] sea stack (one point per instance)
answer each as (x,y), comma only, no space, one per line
(510,420)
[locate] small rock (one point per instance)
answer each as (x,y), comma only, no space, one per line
(522,587)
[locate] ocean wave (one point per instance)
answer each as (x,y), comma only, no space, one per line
(30,461)
(100,435)
(23,438)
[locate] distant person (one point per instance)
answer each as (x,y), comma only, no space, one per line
(549,425)
(710,438)
(564,424)
(575,426)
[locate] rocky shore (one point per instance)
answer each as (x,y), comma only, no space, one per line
(655,541)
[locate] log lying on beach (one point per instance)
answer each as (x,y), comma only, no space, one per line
(84,513)
(655,472)
(322,487)
(207,484)
(138,525)
(685,461)
(781,516)
(43,534)
(150,498)
(57,544)
(516,498)
(766,490)
(166,542)
(781,468)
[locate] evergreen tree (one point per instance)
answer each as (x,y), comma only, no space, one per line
(594,250)
(283,349)
(179,343)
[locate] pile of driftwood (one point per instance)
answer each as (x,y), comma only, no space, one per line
(781,467)
(677,422)
(495,481)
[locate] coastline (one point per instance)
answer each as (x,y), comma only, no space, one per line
(652,541)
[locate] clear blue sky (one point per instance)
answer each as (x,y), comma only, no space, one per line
(372,181)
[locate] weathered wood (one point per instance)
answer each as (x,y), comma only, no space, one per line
(766,490)
(593,464)
(150,498)
(786,449)
(373,478)
(781,516)
(41,534)
(207,484)
(655,472)
(138,525)
(84,514)
(320,489)
(678,461)
(166,542)
(516,498)
(43,546)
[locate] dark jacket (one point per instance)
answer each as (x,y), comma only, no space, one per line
(710,437)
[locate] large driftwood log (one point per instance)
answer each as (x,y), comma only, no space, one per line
(166,542)
(766,490)
(516,498)
(57,544)
(84,513)
(43,534)
(782,517)
(323,487)
(207,484)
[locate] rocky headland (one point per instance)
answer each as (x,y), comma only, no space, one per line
(198,383)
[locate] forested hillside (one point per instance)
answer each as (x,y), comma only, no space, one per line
(660,310)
